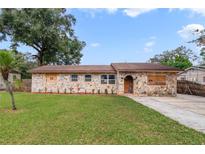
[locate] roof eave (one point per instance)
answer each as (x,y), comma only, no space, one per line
(73,72)
(134,71)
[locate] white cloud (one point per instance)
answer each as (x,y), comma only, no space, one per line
(189,31)
(195,11)
(148,49)
(149,44)
(136,12)
(192,11)
(152,37)
(111,10)
(199,11)
(171,9)
(132,12)
(95,44)
(92,12)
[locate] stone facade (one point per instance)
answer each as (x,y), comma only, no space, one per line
(61,83)
(142,88)
(12,77)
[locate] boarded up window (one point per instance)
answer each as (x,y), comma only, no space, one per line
(156,79)
(51,78)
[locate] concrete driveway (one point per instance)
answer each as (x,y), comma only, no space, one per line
(186,109)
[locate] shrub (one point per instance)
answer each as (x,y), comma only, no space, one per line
(106,91)
(18,85)
(112,91)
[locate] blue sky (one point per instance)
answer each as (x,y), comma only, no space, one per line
(132,35)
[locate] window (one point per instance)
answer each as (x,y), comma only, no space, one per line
(14,77)
(103,79)
(62,77)
(111,79)
(183,78)
(156,79)
(107,79)
(51,78)
(88,78)
(74,77)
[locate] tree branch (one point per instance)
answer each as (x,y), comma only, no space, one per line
(35,47)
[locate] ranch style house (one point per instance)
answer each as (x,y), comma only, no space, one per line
(194,74)
(142,79)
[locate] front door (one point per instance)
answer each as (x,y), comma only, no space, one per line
(128,84)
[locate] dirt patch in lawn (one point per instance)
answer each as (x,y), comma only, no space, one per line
(11,111)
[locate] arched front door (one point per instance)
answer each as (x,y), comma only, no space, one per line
(128,84)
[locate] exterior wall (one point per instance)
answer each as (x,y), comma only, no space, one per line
(11,79)
(142,88)
(63,84)
(38,83)
(194,75)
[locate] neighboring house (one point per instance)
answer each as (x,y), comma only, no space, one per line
(14,75)
(194,74)
(143,79)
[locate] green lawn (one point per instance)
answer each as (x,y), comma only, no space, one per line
(87,119)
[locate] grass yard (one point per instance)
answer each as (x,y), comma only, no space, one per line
(87,119)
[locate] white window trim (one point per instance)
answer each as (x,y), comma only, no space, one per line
(107,82)
(90,78)
(203,79)
(71,79)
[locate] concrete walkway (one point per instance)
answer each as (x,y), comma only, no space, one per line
(187,110)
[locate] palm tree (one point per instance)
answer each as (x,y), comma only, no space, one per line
(7,63)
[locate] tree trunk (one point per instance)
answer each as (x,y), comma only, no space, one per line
(40,61)
(10,90)
(40,58)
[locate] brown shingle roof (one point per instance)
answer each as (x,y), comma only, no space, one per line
(142,67)
(74,69)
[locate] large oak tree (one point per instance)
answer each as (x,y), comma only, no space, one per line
(180,57)
(49,31)
(200,41)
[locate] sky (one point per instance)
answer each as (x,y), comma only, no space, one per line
(132,35)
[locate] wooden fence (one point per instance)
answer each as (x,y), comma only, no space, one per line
(190,88)
(23,85)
